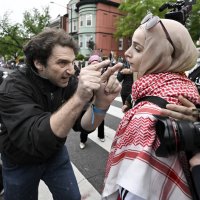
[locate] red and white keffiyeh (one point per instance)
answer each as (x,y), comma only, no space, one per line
(132,162)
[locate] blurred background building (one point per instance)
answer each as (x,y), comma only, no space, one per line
(93,23)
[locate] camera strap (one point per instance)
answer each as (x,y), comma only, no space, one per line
(153,99)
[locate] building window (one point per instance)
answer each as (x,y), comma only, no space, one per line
(81,21)
(120,43)
(88,20)
(80,41)
(74,6)
(74,26)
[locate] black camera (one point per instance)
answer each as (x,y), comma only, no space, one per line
(180,10)
(176,136)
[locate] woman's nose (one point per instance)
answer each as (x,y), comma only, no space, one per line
(127,53)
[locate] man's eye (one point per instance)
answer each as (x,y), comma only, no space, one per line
(62,64)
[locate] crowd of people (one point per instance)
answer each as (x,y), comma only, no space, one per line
(42,101)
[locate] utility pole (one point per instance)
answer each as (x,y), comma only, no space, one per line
(68,9)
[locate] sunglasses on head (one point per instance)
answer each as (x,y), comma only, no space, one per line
(151,21)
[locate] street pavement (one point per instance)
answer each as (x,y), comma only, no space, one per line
(89,163)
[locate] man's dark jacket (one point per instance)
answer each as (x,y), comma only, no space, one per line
(26,104)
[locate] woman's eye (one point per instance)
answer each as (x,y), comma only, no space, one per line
(138,49)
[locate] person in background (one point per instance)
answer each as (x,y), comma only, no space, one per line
(94,59)
(125,76)
(128,104)
(134,171)
(39,104)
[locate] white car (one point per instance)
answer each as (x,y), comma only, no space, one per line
(5,74)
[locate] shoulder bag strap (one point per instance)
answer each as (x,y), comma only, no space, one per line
(153,99)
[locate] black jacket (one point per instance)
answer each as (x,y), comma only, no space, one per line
(26,104)
(127,82)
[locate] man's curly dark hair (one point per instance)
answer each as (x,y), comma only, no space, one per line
(40,46)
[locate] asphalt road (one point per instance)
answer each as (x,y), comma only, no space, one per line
(91,161)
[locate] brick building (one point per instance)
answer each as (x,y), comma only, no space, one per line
(94,22)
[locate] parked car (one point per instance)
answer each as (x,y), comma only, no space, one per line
(5,74)
(20,65)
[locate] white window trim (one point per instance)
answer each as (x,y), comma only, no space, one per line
(89,17)
(81,20)
(81,41)
(74,25)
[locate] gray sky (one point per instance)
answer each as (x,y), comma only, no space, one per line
(16,8)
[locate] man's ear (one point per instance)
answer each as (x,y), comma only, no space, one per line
(38,65)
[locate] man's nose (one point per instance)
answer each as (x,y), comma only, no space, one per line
(70,69)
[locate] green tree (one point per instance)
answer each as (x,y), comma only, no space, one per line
(194,21)
(34,22)
(14,36)
(10,38)
(135,10)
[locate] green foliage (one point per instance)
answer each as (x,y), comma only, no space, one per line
(80,57)
(135,10)
(194,21)
(10,38)
(34,22)
(14,36)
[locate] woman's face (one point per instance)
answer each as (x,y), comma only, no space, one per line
(134,53)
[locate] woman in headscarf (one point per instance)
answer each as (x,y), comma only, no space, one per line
(161,51)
